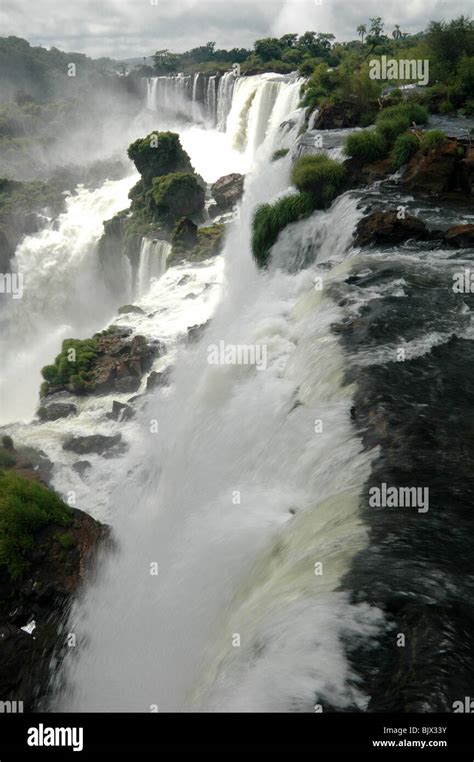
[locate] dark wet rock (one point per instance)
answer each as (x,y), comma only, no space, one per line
(56,410)
(109,446)
(460,236)
(359,174)
(185,279)
(6,253)
(195,331)
(121,411)
(30,459)
(185,234)
(130,308)
(386,228)
(191,296)
(81,467)
(336,116)
(161,378)
(228,190)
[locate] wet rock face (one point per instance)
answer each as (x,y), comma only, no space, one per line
(385,227)
(227,190)
(444,170)
(336,116)
(96,443)
(121,411)
(60,560)
(460,236)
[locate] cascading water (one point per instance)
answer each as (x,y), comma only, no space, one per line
(64,293)
(151,263)
(224,98)
(238,496)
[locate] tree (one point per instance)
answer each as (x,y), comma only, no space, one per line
(397,33)
(362,31)
(268,48)
(165,62)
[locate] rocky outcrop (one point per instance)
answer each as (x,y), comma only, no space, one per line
(114,360)
(336,116)
(227,191)
(108,446)
(127,309)
(34,604)
(386,228)
(185,234)
(161,378)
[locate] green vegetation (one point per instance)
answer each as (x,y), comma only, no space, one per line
(25,507)
(432,140)
(7,459)
(7,442)
(66,540)
(319,177)
(391,123)
(71,367)
(270,219)
(209,240)
(403,149)
(280,154)
(367,145)
(178,194)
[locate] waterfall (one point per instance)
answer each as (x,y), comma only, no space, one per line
(224,98)
(64,293)
(211,101)
(196,110)
(152,263)
(238,495)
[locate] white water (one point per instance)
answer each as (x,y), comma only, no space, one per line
(64,294)
(151,264)
(238,495)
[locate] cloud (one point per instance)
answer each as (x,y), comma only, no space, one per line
(128,28)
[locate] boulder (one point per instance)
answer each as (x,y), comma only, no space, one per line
(185,234)
(227,190)
(56,410)
(81,466)
(109,446)
(130,308)
(385,228)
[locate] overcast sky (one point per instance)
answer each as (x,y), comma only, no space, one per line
(129,28)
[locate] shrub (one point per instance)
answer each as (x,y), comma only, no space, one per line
(319,176)
(7,459)
(270,219)
(367,145)
(411,111)
(405,146)
(25,507)
(280,154)
(71,368)
(432,140)
(7,442)
(66,540)
(390,129)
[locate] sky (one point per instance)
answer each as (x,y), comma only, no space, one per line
(136,28)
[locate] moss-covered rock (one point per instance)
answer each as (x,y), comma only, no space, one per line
(320,177)
(159,153)
(208,243)
(270,219)
(177,195)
